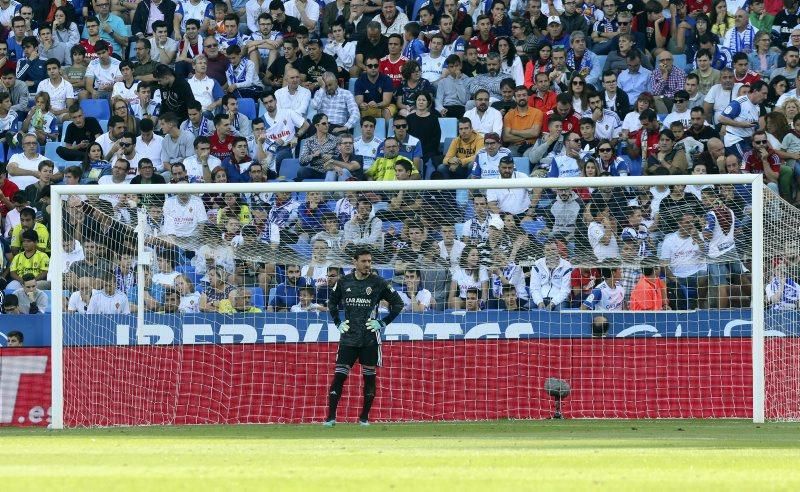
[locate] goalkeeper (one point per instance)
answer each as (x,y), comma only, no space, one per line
(360,291)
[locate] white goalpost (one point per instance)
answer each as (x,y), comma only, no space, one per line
(205,303)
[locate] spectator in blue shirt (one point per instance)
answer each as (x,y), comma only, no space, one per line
(414,48)
(15,40)
(374,91)
(286,291)
(237,166)
(31,69)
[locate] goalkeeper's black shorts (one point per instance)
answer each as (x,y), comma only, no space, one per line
(367,356)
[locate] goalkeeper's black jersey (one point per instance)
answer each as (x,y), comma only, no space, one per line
(360,299)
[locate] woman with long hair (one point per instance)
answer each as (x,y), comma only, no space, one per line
(65,31)
(469,274)
(579,93)
(190,299)
(721,21)
(94,165)
(120,108)
(216,290)
(413,83)
(631,122)
(510,64)
(215,201)
(542,64)
(778,85)
(41,121)
(762,59)
(423,123)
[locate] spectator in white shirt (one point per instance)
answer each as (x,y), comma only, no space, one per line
(603,234)
(485,119)
(551,278)
(515,201)
(102,73)
(293,96)
(59,90)
(206,90)
(184,215)
(23,168)
(108,300)
(149,144)
(686,268)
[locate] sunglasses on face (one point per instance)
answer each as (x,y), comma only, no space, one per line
(760,142)
(678,101)
(577,82)
(401,126)
(372,65)
(604,150)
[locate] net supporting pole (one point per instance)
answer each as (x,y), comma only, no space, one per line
(140,262)
(57,308)
(757,303)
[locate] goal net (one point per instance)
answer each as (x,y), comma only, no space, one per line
(623,297)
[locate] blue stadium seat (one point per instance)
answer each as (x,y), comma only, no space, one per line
(271,297)
(190,273)
(258,297)
(680,61)
(302,249)
(415,10)
(351,85)
(532,227)
(310,112)
(247,107)
(386,273)
(449,127)
(661,117)
(289,168)
(600,60)
(50,153)
(103,125)
(398,226)
(446,144)
(64,130)
(97,108)
(459,227)
(523,164)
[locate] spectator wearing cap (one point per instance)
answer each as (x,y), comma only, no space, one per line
(462,151)
(484,118)
(556,36)
(176,94)
(28,261)
(516,201)
(487,160)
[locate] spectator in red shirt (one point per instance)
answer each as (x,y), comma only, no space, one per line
(647,135)
(741,70)
(391,65)
(484,39)
(221,140)
(571,121)
(8,188)
(544,98)
(583,281)
(763,160)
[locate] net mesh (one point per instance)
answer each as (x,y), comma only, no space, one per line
(635,299)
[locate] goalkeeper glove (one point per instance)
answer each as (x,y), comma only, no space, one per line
(375,325)
(343,326)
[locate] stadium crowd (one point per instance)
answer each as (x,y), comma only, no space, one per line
(151,91)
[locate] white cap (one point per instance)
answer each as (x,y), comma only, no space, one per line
(496,222)
(554,19)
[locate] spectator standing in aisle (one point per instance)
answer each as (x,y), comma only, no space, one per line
(741,119)
(175,94)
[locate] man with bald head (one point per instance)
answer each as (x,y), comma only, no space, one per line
(741,38)
(293,96)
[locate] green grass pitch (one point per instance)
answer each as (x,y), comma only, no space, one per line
(725,455)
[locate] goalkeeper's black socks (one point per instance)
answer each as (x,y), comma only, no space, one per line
(369,395)
(335,393)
